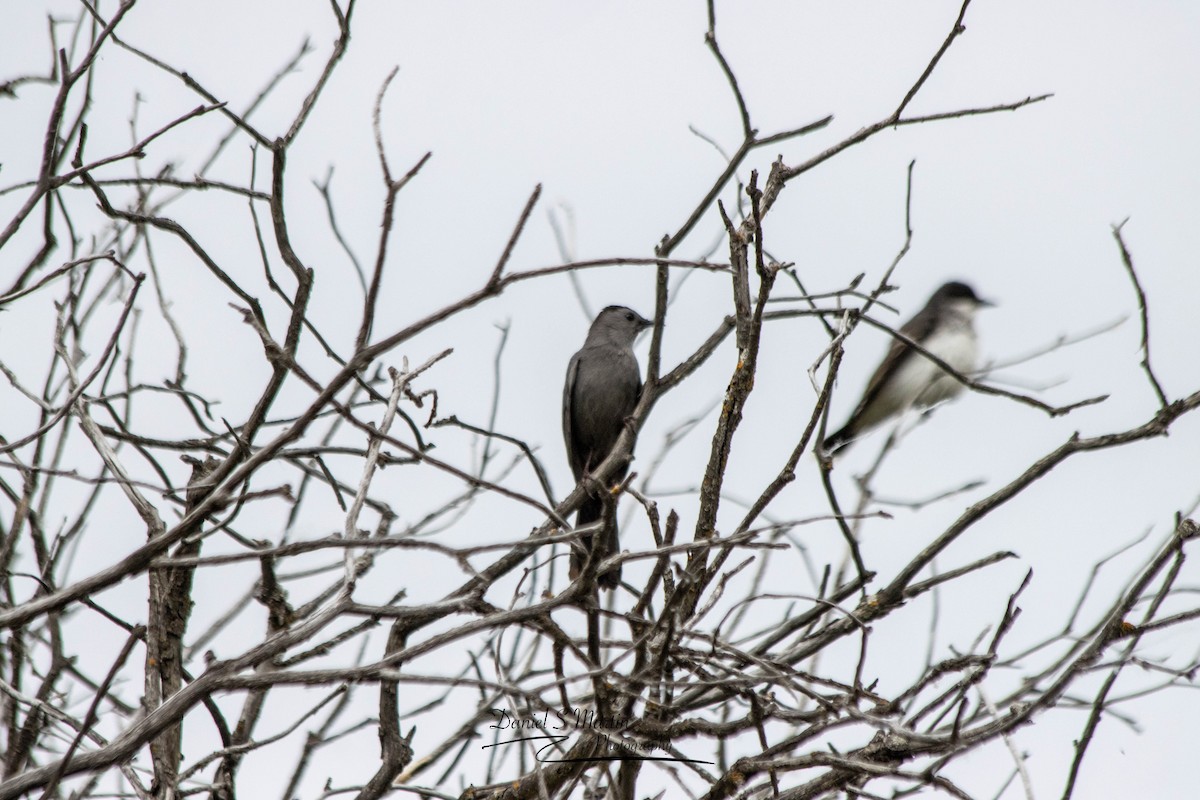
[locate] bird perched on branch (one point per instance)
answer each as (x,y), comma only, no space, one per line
(907,378)
(602,388)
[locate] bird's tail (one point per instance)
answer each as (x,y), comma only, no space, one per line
(840,439)
(593,510)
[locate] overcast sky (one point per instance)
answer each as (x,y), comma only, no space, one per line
(594,102)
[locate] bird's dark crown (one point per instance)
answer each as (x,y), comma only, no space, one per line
(624,312)
(957,290)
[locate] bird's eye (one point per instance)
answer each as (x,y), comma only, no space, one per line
(629,317)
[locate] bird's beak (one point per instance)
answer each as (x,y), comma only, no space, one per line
(644,323)
(984,303)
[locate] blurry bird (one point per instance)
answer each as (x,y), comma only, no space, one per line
(602,388)
(906,378)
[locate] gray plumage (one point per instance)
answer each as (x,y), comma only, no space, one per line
(906,378)
(602,388)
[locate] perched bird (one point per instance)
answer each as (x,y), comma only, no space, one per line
(906,378)
(602,388)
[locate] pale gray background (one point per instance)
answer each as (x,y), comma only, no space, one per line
(593,101)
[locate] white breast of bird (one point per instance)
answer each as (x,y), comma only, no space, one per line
(924,382)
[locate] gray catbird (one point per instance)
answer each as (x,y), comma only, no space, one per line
(906,378)
(602,388)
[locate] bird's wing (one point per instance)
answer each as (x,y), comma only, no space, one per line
(568,420)
(917,329)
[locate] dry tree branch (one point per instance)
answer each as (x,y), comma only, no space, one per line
(978,386)
(50,146)
(705,655)
(1127,260)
